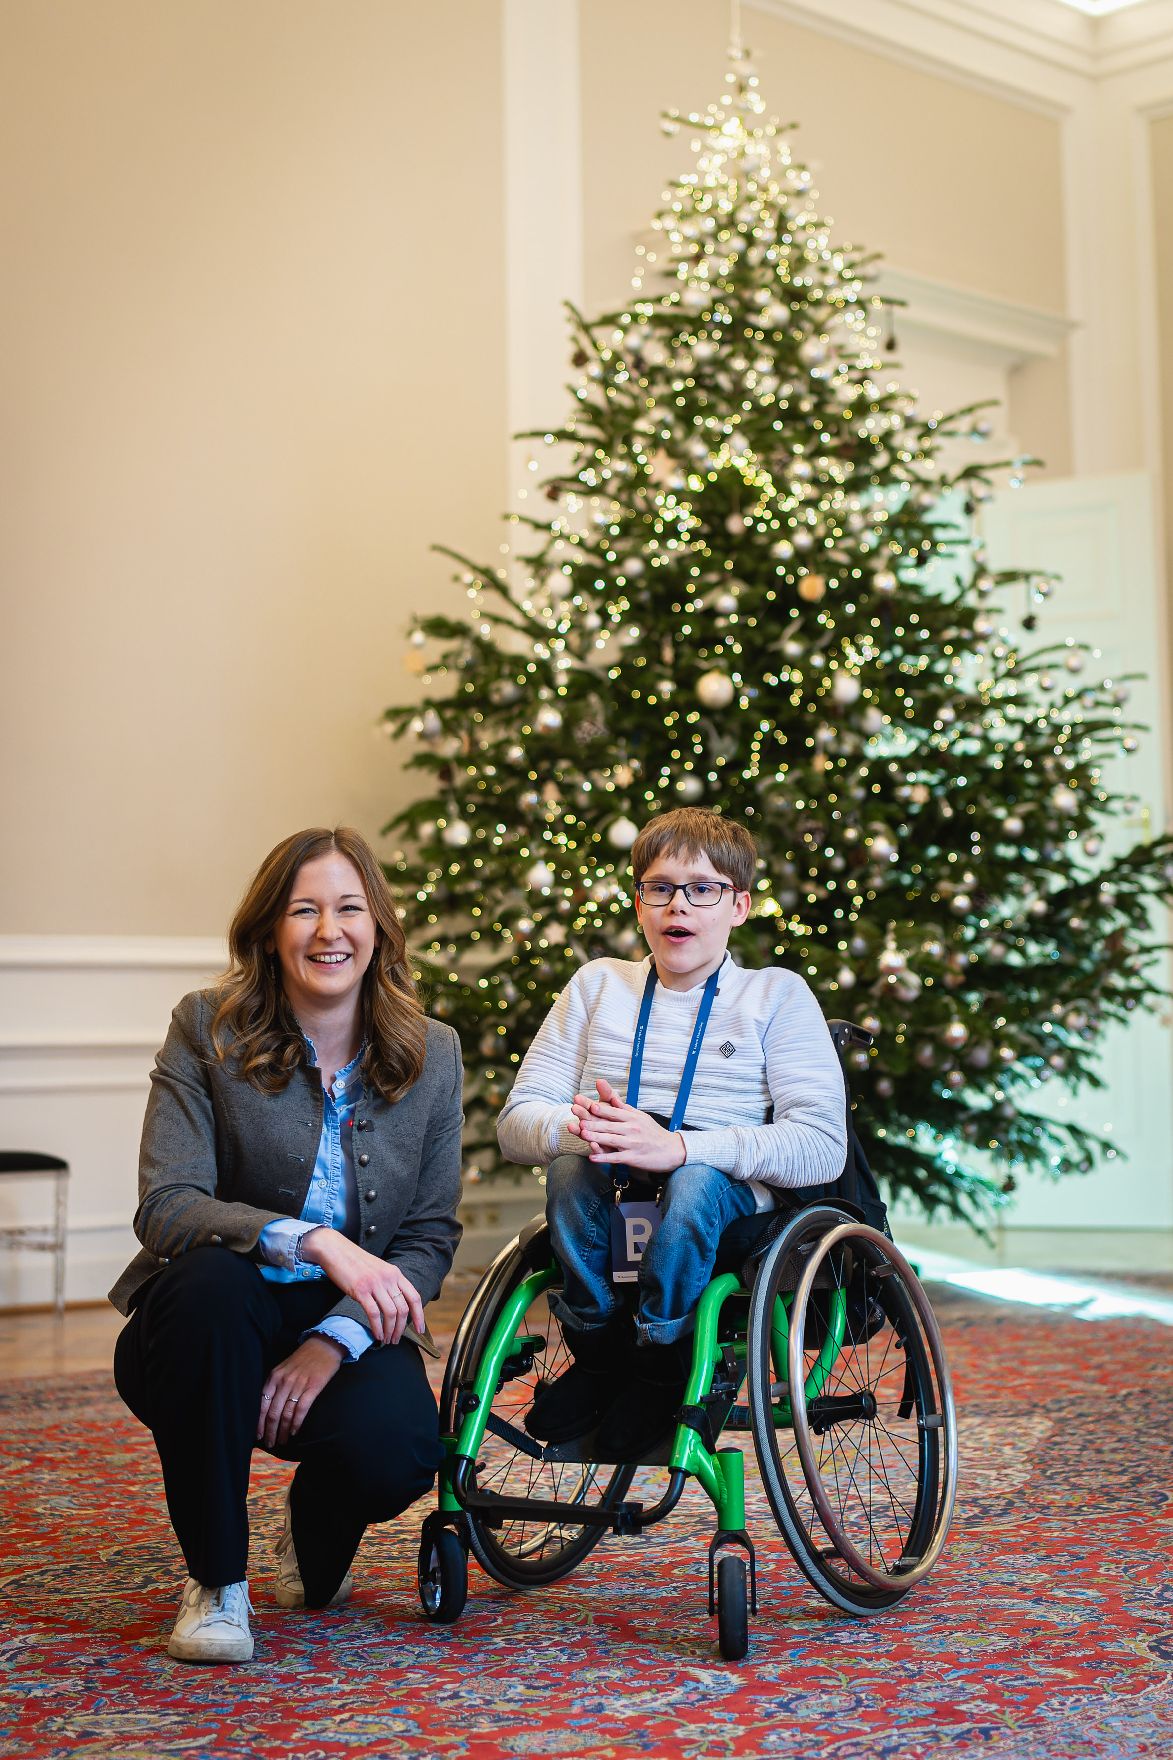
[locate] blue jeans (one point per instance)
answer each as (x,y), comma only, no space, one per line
(697,1204)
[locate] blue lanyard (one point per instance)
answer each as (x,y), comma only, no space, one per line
(694,1046)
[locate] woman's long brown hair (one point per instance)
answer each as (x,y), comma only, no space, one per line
(255,1027)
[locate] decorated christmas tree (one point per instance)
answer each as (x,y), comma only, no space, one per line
(758,584)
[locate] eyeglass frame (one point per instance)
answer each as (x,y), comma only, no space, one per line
(683,886)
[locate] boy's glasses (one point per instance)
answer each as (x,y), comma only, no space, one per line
(700,892)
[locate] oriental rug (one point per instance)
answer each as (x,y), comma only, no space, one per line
(1045,1634)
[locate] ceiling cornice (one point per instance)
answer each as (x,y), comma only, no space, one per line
(1044,53)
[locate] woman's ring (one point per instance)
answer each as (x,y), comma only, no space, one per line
(293,1398)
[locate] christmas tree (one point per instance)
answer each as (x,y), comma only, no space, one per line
(758,585)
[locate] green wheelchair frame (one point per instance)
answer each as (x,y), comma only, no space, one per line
(849,1404)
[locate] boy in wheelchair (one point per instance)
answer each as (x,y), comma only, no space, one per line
(600,1100)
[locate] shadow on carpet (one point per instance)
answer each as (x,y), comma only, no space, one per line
(1045,1634)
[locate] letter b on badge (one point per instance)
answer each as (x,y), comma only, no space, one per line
(632,1226)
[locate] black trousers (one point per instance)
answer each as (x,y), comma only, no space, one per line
(191,1364)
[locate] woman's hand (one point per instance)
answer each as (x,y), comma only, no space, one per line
(388,1299)
(294,1385)
(616,1131)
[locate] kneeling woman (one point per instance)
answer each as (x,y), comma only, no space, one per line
(298,1182)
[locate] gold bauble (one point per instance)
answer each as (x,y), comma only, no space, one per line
(811,588)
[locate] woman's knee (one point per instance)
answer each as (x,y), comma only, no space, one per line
(382,1474)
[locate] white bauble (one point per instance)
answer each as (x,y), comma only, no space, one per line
(457,834)
(715,689)
(622,833)
(884,581)
(1012,826)
(690,788)
(540,875)
(846,688)
(735,524)
(548,719)
(430,725)
(1064,800)
(955,1034)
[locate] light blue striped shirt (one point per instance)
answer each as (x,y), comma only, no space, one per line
(331,1202)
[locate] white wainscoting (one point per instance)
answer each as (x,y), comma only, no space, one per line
(81,1018)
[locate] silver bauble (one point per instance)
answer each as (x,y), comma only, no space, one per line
(955,1034)
(457,834)
(548,719)
(622,833)
(690,787)
(540,876)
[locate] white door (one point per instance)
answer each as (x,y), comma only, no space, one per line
(1099,534)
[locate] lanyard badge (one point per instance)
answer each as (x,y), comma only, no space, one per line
(635,1221)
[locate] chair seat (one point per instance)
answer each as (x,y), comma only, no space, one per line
(48,1236)
(29,1161)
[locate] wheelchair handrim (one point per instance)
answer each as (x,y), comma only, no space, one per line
(900,1579)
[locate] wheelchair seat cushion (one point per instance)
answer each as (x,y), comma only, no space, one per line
(749,1238)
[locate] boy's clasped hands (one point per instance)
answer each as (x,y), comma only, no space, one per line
(616,1131)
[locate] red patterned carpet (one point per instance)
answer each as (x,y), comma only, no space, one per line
(1046,1634)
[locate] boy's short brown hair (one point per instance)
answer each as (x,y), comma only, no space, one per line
(697,831)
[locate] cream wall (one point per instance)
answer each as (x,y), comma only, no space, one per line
(1161,152)
(252,309)
(945,181)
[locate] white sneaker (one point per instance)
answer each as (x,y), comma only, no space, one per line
(212,1624)
(289,1589)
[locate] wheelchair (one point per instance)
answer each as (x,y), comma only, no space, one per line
(818,1318)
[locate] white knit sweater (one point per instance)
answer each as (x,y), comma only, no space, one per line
(766,1054)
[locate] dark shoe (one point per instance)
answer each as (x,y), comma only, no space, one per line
(645,1410)
(573,1404)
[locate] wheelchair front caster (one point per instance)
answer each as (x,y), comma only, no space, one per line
(442,1575)
(732,1607)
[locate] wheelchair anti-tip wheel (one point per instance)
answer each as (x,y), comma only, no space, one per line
(852,1410)
(523,1551)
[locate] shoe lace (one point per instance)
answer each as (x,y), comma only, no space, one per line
(232,1601)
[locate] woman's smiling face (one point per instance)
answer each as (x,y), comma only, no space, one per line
(325,938)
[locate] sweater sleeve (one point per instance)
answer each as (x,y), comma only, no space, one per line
(532,1126)
(805,1144)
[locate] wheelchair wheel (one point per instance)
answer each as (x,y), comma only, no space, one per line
(517,1550)
(732,1607)
(852,1410)
(442,1576)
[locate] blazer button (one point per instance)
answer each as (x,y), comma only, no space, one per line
(369,1230)
(372,1195)
(364,1124)
(217,1240)
(363,1159)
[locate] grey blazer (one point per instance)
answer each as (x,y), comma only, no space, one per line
(219,1160)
